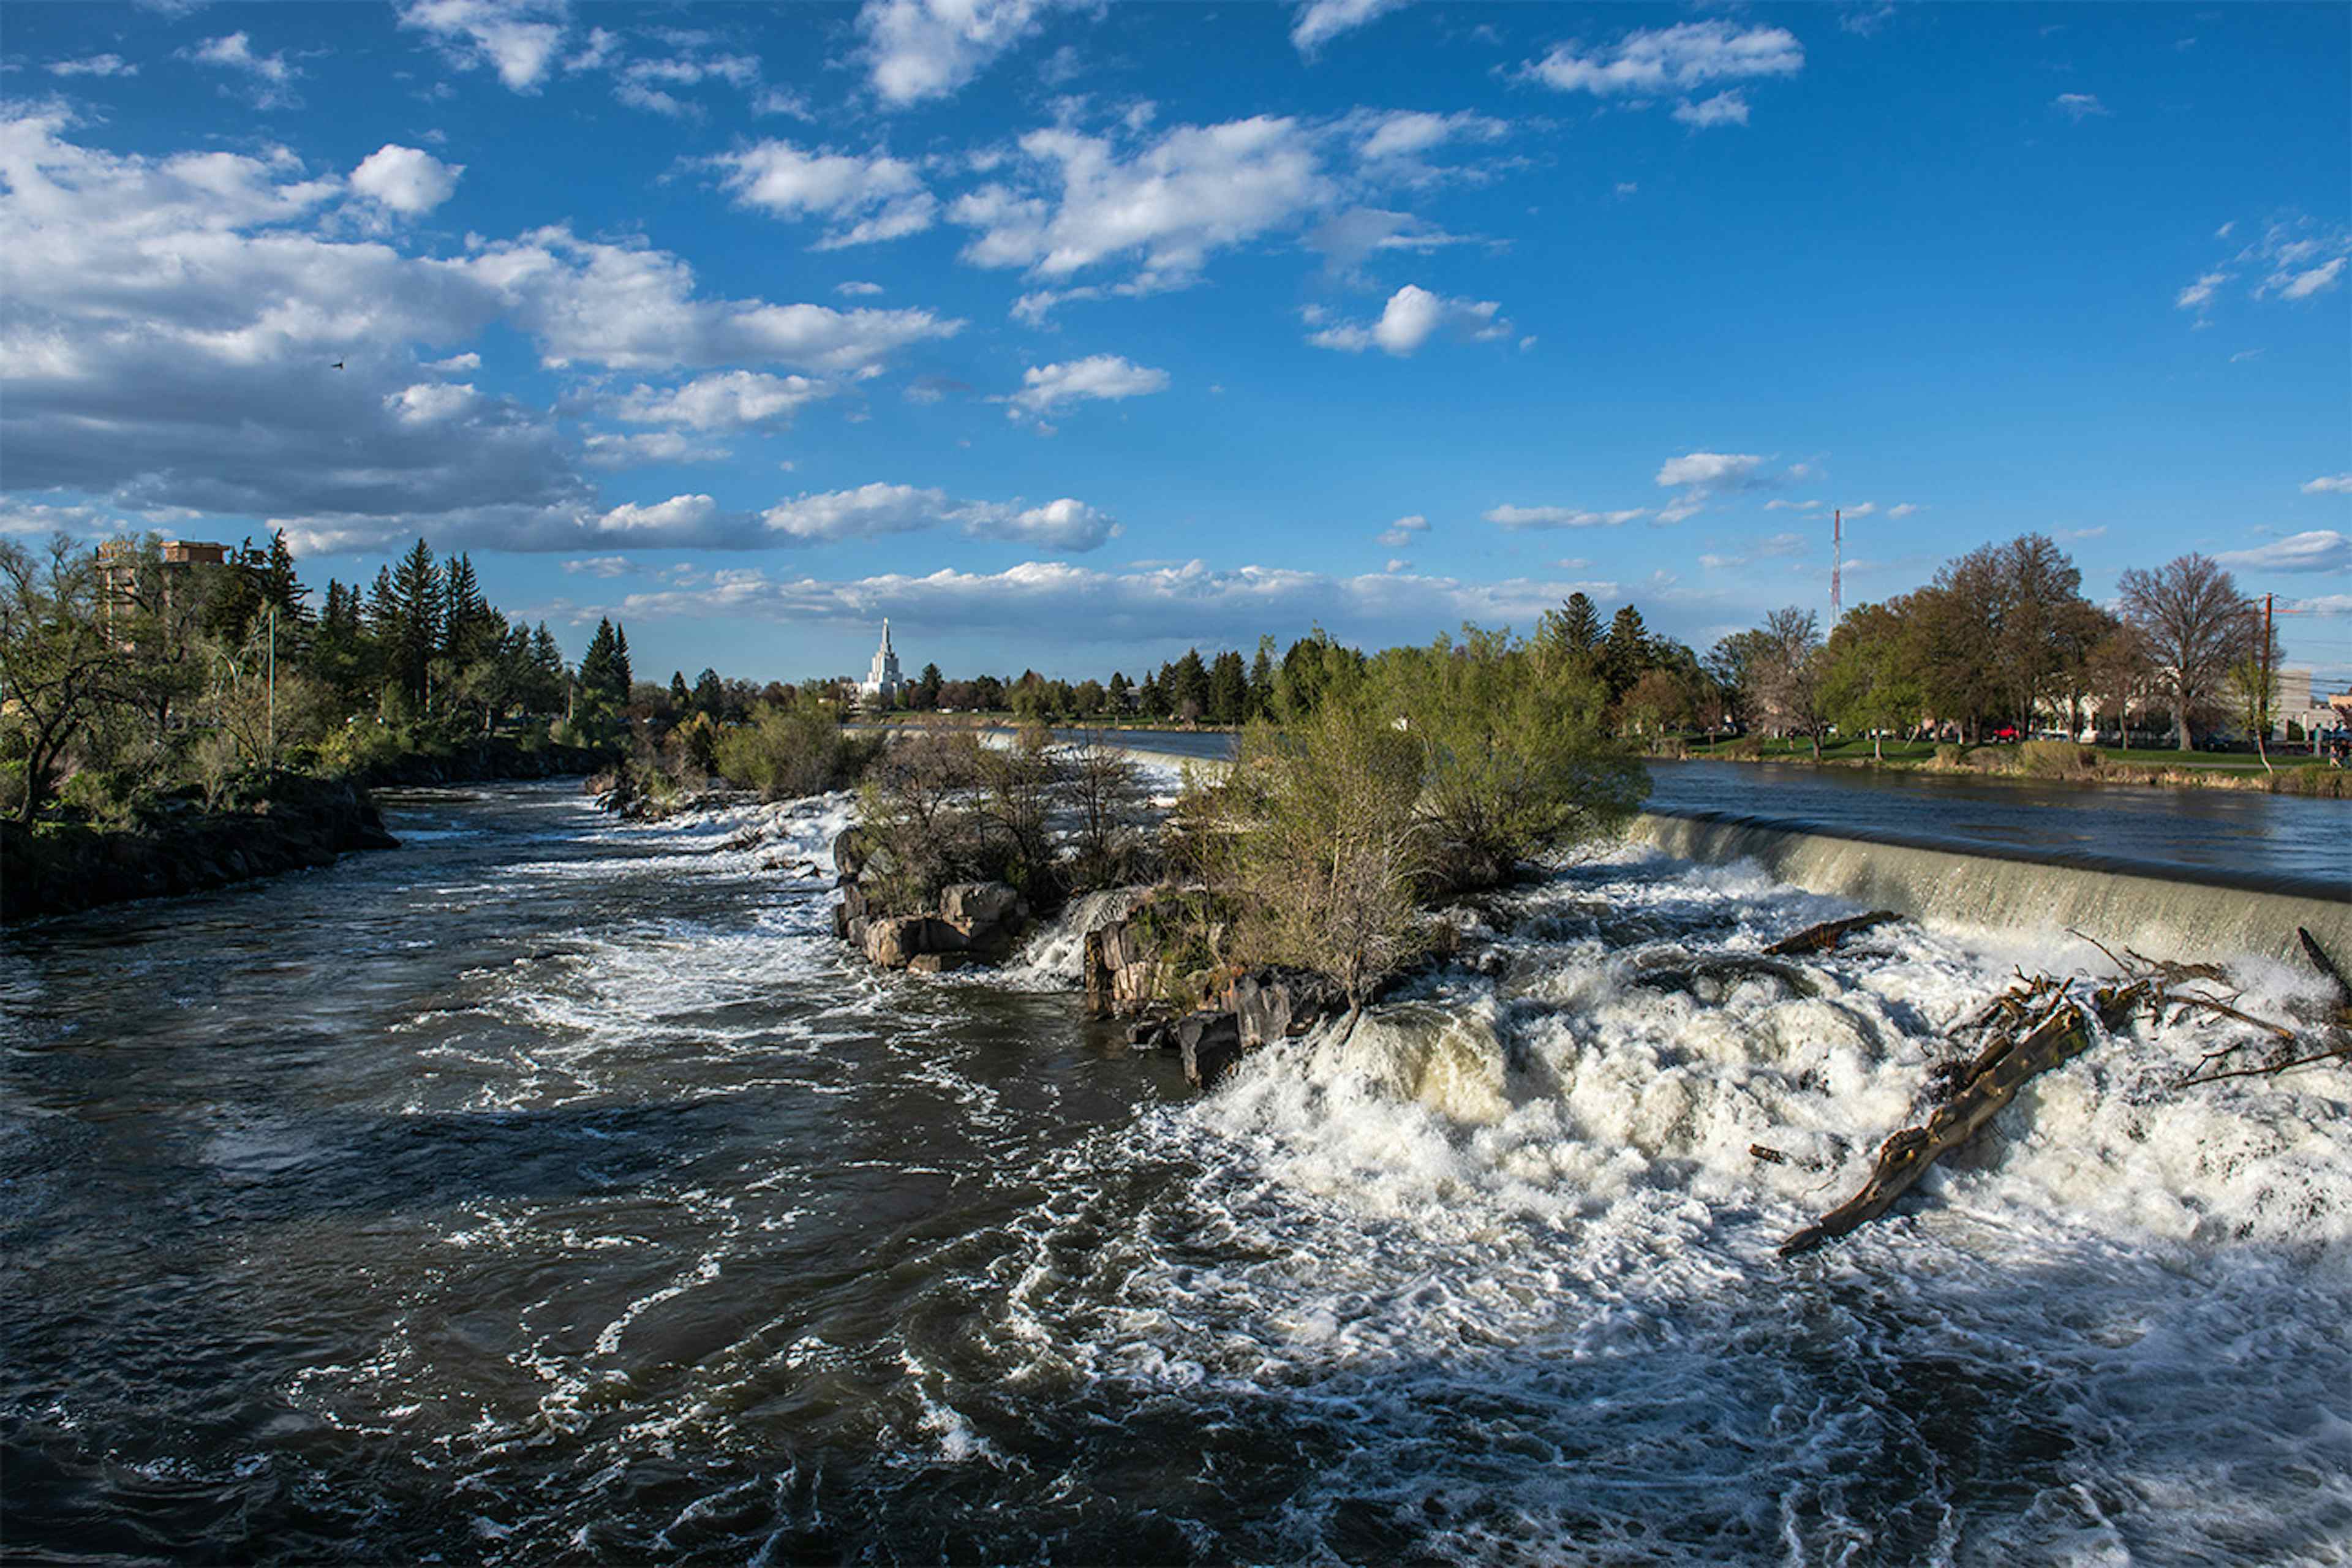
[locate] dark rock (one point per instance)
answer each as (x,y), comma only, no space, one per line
(1211,1047)
(892,942)
(974,907)
(938,962)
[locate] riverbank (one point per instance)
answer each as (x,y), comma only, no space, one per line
(304,822)
(2044,762)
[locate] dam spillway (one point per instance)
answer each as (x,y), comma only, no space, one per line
(2166,912)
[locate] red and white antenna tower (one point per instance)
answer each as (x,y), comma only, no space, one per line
(1837,563)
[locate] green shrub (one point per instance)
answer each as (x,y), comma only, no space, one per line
(796,750)
(1948,755)
(2057,758)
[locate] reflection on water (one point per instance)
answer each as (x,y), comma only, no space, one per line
(551,1189)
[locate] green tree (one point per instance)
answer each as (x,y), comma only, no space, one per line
(1187,682)
(1228,688)
(1867,680)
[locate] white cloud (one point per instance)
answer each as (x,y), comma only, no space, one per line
(518,38)
(1723,109)
(409,181)
(1864,509)
(602,449)
(602,566)
(1064,525)
(455,365)
(431,402)
(1320,21)
(921,49)
(2199,294)
(1904,508)
(2318,550)
(1784,505)
(634,308)
(1074,201)
(1107,377)
(876,510)
(1780,544)
(93,65)
(1395,145)
(2329,484)
(727,400)
(1652,62)
(2303,285)
(1713,471)
(1403,530)
(1526,517)
(273,78)
(857,290)
(1413,316)
(2079,106)
(862,198)
(1138,607)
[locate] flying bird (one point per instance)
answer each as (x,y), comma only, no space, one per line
(338,364)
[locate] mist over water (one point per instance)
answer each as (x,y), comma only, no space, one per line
(553,1187)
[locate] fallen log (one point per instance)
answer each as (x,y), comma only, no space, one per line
(1825,936)
(2058,1035)
(1727,966)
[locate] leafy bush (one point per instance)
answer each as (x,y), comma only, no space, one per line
(2057,758)
(788,751)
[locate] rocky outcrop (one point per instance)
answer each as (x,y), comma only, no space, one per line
(482,760)
(975,923)
(60,868)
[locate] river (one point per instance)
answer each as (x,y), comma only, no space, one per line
(552,1189)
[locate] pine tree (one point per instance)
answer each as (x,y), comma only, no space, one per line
(596,664)
(927,687)
(1228,688)
(1187,681)
(1581,623)
(680,698)
(1119,691)
(417,603)
(620,686)
(1261,679)
(1626,652)
(710,694)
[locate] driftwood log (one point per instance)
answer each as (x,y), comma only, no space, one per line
(2041,1023)
(1726,967)
(1829,933)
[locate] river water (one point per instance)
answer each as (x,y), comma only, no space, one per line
(551,1188)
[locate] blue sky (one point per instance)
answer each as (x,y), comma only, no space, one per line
(1070,335)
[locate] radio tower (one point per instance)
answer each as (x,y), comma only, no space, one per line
(1837,564)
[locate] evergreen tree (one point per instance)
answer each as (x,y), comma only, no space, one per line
(597,665)
(927,687)
(680,699)
(1118,691)
(620,663)
(417,605)
(1261,679)
(1627,651)
(280,586)
(1229,689)
(1187,681)
(709,695)
(1579,624)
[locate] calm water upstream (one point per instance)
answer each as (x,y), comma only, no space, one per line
(551,1189)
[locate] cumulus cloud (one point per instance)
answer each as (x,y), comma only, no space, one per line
(862,199)
(921,50)
(2318,550)
(1729,108)
(1071,201)
(1413,316)
(728,400)
(174,320)
(1713,471)
(2329,484)
(877,510)
(407,180)
(631,307)
(1654,62)
(1317,22)
(272,79)
(1526,517)
(1403,530)
(1183,604)
(92,65)
(516,39)
(1395,145)
(1106,377)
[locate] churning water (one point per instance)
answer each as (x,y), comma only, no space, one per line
(551,1189)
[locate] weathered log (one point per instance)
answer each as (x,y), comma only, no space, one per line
(2325,966)
(1726,966)
(1992,1080)
(1825,936)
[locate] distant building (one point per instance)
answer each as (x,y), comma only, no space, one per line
(118,570)
(883,681)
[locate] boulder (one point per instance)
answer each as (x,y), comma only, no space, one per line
(1211,1044)
(1273,1005)
(936,962)
(892,943)
(848,854)
(976,906)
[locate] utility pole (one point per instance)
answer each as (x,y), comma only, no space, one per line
(1837,564)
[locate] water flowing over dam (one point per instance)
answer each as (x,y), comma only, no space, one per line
(554,1188)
